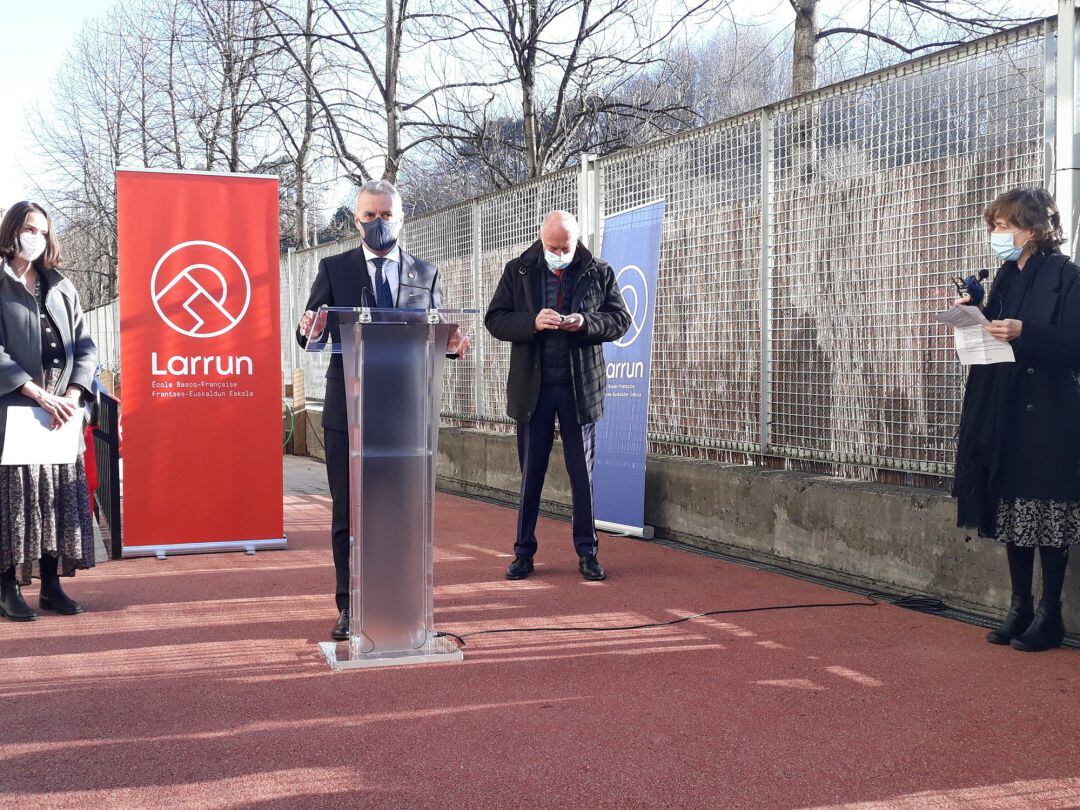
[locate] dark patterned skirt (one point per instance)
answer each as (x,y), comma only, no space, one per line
(1029,522)
(45,510)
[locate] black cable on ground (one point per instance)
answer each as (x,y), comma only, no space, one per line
(920,604)
(872,602)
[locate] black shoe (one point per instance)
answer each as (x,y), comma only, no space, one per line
(1047,629)
(53,598)
(590,568)
(12,605)
(341,627)
(1017,620)
(520,568)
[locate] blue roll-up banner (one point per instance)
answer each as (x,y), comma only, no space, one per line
(632,247)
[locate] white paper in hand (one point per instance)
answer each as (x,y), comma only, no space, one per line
(974,345)
(30,439)
(961,316)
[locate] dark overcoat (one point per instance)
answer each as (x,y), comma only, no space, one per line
(512,313)
(1020,423)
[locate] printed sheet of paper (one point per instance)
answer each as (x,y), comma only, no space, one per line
(974,346)
(29,439)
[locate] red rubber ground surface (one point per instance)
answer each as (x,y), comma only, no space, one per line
(195,682)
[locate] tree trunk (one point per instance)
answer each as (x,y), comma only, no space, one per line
(804,80)
(531,133)
(144,136)
(804,50)
(301,210)
(170,88)
(235,76)
(533,167)
(390,101)
(302,239)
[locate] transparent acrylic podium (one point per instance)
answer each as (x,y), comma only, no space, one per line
(393,361)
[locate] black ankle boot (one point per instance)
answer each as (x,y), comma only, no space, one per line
(52,595)
(1017,620)
(1047,629)
(12,605)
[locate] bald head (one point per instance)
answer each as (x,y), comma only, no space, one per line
(559,232)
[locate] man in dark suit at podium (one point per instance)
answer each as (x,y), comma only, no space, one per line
(557,304)
(376,274)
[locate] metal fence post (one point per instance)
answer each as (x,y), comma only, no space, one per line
(589,203)
(597,202)
(1067,177)
(583,199)
(294,304)
(478,304)
(766,161)
(1049,104)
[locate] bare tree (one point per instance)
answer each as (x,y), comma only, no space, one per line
(290,96)
(559,68)
(84,140)
(694,83)
(161,84)
(907,27)
(229,51)
(374,110)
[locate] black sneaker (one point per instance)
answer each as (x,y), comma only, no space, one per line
(520,568)
(590,569)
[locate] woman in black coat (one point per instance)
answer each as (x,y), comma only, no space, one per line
(48,361)
(1018,458)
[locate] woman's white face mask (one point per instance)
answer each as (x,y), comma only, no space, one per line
(31,245)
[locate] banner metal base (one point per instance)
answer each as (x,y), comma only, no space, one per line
(341,655)
(163,551)
(644,532)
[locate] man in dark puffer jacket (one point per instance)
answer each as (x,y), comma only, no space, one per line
(557,304)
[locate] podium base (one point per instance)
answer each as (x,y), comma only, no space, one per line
(339,655)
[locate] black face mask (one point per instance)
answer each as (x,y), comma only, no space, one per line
(379,235)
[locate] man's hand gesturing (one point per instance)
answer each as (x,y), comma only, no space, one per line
(312,324)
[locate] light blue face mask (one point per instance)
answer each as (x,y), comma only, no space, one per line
(1004,247)
(559,261)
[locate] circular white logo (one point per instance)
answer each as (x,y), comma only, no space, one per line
(635,293)
(200,289)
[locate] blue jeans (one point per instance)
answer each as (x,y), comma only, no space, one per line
(535,439)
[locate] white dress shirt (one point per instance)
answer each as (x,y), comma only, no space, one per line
(391,269)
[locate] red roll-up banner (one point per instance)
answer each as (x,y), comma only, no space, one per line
(200,360)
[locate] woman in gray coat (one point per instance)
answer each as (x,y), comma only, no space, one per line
(47,360)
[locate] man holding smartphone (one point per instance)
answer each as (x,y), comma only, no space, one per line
(557,304)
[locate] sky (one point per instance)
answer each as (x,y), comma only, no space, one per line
(38,37)
(27,66)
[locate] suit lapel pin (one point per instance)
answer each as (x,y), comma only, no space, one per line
(412,275)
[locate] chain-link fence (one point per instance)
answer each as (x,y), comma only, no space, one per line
(877,194)
(805,248)
(104,326)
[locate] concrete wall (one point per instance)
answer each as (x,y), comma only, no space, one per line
(895,538)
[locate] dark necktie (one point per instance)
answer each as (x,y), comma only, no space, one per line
(384,299)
